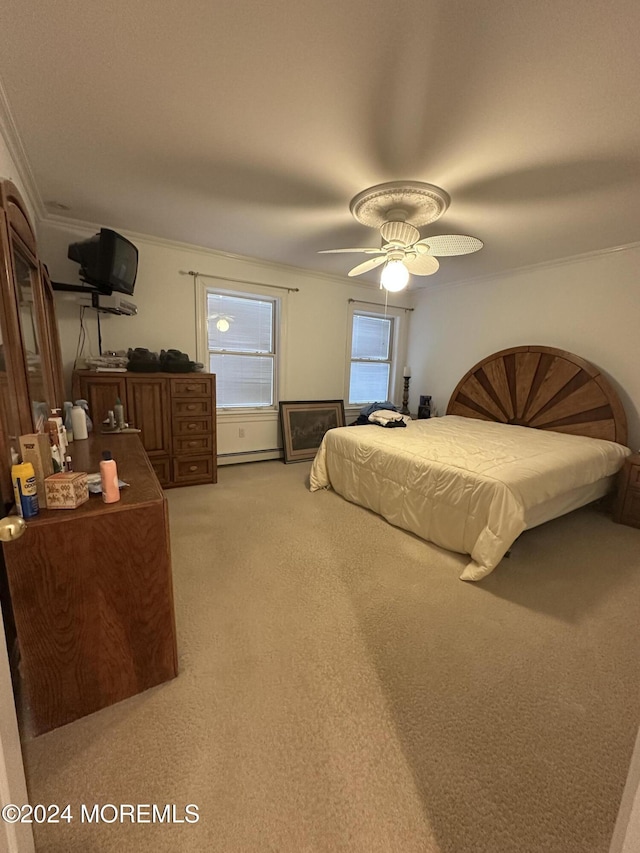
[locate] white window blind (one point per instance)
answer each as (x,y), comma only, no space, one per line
(371,349)
(241,343)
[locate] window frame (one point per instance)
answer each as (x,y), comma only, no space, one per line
(396,345)
(246,291)
(388,360)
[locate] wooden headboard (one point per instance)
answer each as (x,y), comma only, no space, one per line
(541,387)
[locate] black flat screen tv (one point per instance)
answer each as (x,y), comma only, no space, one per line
(108,262)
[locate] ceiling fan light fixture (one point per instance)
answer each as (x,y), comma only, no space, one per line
(395,276)
(398,209)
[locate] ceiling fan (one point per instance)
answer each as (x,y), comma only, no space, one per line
(398,209)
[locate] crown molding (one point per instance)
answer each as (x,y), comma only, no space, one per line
(541,265)
(67,223)
(17,151)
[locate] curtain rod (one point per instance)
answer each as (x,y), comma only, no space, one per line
(380,304)
(242,281)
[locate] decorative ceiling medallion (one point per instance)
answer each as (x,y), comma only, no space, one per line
(413,202)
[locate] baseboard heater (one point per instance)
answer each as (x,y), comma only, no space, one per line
(250,456)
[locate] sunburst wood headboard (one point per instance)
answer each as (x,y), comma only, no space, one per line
(544,388)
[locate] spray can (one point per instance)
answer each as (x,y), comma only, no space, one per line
(25,489)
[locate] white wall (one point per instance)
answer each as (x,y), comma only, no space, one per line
(590,307)
(314,359)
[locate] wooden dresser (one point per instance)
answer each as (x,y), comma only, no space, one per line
(175,412)
(92,593)
(627,506)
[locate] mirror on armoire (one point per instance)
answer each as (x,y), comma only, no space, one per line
(30,362)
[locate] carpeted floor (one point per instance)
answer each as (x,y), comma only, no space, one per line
(342,690)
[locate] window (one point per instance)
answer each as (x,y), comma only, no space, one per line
(241,345)
(371,358)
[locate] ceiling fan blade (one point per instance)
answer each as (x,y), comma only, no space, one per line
(447,245)
(368,251)
(421,264)
(372,263)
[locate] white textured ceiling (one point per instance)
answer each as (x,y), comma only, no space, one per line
(247,126)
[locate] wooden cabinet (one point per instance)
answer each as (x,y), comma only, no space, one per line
(627,505)
(102,394)
(175,413)
(147,407)
(92,593)
(30,362)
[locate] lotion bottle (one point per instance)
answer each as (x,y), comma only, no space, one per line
(109,478)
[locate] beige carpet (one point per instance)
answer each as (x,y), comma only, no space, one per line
(342,690)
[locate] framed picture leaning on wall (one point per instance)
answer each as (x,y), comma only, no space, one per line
(304,423)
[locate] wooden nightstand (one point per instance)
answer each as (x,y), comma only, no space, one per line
(626,509)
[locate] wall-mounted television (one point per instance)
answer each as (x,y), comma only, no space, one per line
(108,262)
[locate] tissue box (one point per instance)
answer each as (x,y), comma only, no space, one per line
(66,490)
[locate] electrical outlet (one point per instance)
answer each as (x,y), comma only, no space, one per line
(241,432)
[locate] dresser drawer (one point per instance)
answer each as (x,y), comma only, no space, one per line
(192,387)
(183,427)
(634,477)
(196,444)
(191,407)
(190,468)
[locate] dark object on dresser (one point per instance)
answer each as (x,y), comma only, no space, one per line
(424,408)
(174,361)
(142,360)
(627,506)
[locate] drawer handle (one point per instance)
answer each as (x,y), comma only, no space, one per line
(193,467)
(192,387)
(191,407)
(193,444)
(192,426)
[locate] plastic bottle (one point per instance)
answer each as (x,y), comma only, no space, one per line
(109,478)
(118,411)
(25,489)
(79,421)
(85,406)
(68,423)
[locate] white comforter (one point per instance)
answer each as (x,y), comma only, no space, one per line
(461,483)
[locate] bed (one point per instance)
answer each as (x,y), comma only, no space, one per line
(530,433)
